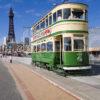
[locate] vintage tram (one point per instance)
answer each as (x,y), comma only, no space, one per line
(60,38)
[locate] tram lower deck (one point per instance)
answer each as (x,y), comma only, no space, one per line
(70,59)
(65,52)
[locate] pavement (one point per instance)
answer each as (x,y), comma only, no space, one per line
(86,87)
(8,87)
(34,86)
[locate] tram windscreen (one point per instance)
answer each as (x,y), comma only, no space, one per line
(78,14)
(67,44)
(78,44)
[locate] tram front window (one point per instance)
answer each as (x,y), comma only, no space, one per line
(67,44)
(86,15)
(78,44)
(77,14)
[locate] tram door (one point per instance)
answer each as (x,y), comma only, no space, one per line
(59,47)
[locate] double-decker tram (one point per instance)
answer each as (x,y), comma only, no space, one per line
(60,38)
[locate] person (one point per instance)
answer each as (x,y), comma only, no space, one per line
(59,17)
(10,59)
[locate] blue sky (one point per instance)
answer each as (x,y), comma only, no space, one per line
(27,12)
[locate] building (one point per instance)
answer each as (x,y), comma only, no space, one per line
(27,41)
(94,41)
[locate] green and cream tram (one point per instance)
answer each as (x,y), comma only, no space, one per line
(60,38)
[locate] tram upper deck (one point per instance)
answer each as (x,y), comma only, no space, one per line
(64,17)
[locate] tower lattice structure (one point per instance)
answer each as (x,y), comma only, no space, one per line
(11,33)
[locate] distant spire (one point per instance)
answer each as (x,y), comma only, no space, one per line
(11,12)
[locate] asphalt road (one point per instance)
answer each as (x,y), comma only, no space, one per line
(8,89)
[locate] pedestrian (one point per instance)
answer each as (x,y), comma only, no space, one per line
(10,59)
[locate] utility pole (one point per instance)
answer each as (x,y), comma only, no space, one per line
(26,36)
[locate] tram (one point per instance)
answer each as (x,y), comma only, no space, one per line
(60,38)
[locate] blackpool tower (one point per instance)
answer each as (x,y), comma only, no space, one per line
(11,33)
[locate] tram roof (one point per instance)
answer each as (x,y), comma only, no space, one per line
(77,3)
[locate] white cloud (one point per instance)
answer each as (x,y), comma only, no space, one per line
(29,11)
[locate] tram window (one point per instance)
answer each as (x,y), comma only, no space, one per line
(54,17)
(43,47)
(34,48)
(42,24)
(57,45)
(86,16)
(77,14)
(50,20)
(78,44)
(46,22)
(66,13)
(49,46)
(67,44)
(33,31)
(37,27)
(59,15)
(38,48)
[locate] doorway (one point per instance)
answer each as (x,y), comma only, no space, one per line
(59,47)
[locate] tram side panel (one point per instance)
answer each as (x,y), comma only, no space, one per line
(74,59)
(51,58)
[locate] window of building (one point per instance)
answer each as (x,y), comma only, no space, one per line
(49,46)
(54,17)
(78,44)
(59,15)
(50,20)
(66,13)
(38,48)
(67,43)
(43,47)
(77,14)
